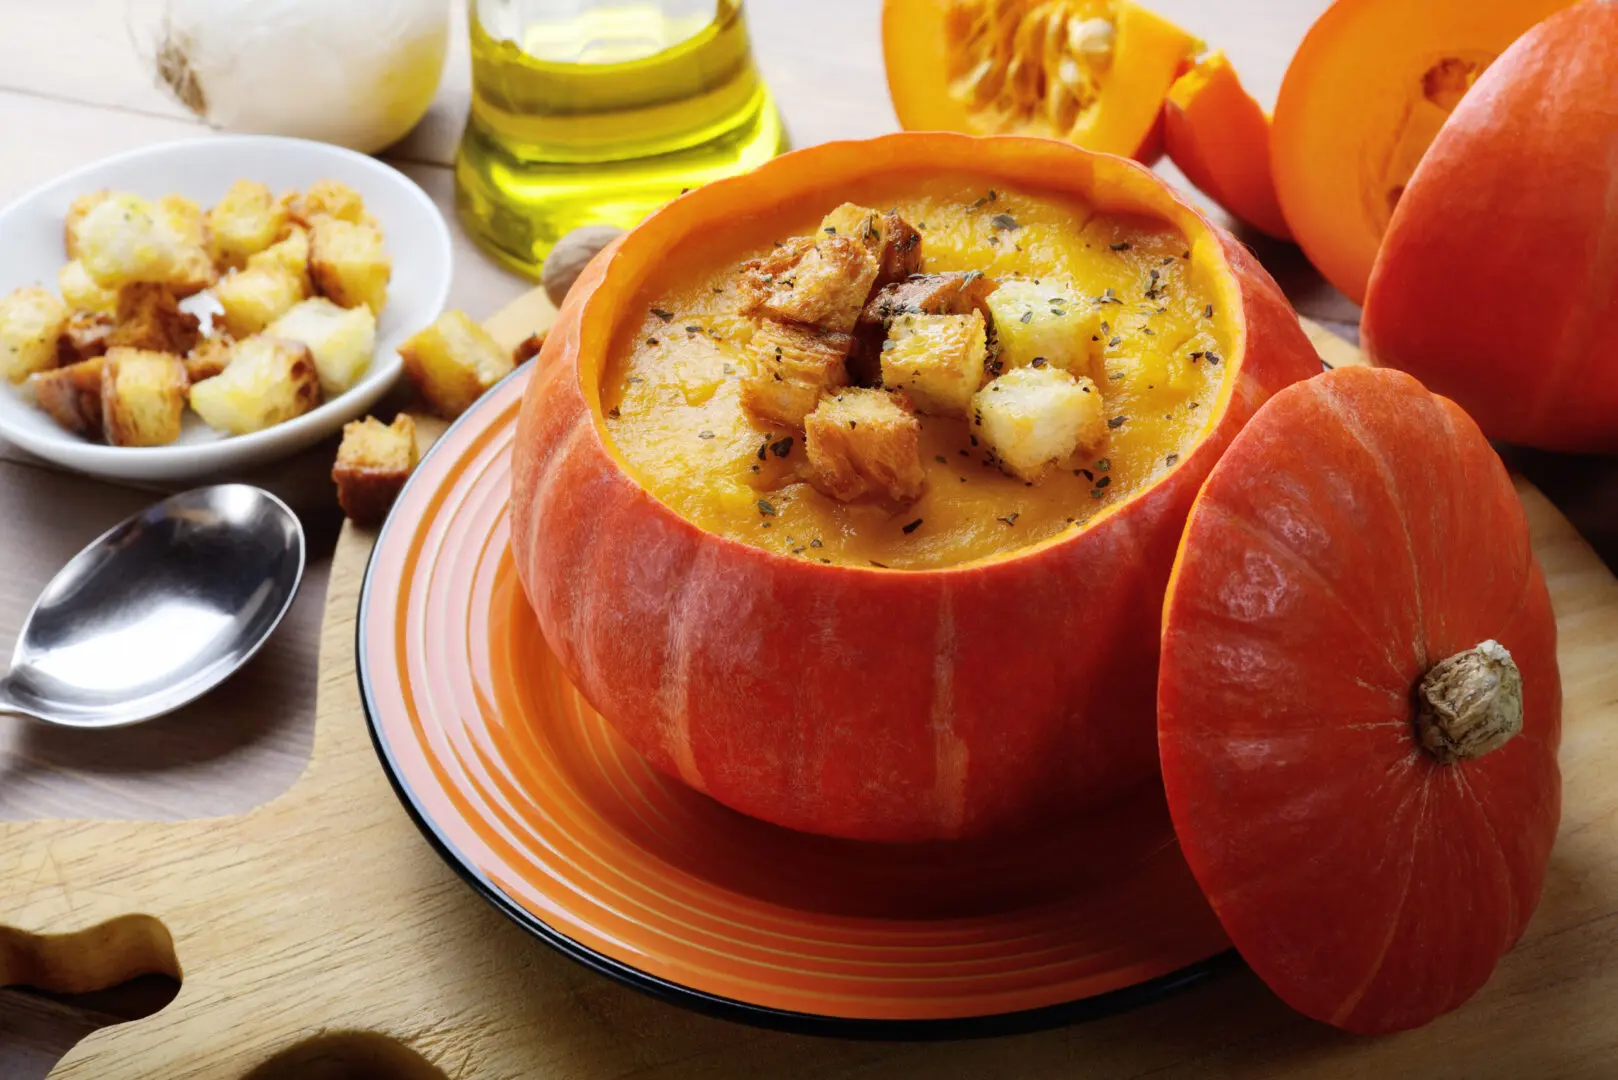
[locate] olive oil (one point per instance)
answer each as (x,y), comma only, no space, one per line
(590,112)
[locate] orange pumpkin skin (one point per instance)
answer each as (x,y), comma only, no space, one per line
(853,701)
(1219,137)
(1497,283)
(1357,532)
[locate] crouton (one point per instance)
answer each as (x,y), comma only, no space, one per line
(1045,320)
(528,348)
(82,293)
(792,366)
(862,443)
(348,263)
(1033,416)
(937,360)
(891,240)
(373,463)
(244,222)
(826,285)
(124,239)
(142,397)
(208,358)
(31,321)
(194,268)
(71,396)
(150,319)
(290,253)
(341,339)
(86,334)
(452,362)
(329,198)
(930,294)
(74,221)
(267,382)
(253,298)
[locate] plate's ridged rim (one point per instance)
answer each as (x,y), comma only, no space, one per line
(487,414)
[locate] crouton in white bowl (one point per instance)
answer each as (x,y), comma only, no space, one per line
(305,243)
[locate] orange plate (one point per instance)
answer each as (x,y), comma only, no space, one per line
(527,792)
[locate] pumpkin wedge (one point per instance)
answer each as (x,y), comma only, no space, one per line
(1091,72)
(1363,98)
(1359,703)
(992,693)
(1220,138)
(1498,280)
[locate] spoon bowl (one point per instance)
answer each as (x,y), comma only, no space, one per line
(158,610)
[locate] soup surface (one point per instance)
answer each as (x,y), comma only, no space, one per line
(673,388)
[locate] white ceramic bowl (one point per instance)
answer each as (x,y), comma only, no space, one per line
(202,169)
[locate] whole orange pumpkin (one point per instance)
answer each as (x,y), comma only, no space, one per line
(850,700)
(1497,282)
(1359,703)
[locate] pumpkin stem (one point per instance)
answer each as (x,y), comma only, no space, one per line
(1469,704)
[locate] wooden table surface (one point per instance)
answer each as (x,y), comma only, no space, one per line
(73,88)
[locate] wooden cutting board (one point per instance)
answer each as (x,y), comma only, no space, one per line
(320,936)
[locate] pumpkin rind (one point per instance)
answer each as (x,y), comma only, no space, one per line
(1358,533)
(1219,137)
(1497,282)
(853,701)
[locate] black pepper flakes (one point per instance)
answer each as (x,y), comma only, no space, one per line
(704,434)
(1103,482)
(1121,246)
(1027,317)
(781,447)
(1115,342)
(939,458)
(1207,312)
(661,314)
(912,527)
(612,413)
(816,542)
(766,508)
(1038,361)
(1103,464)
(1009,519)
(1004,221)
(1171,459)
(651,341)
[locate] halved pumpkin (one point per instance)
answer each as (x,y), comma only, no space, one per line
(1220,138)
(1363,98)
(1359,703)
(1497,283)
(844,698)
(1091,72)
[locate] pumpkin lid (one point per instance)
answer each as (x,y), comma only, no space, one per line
(1358,703)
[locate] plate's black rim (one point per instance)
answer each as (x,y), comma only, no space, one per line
(970,1027)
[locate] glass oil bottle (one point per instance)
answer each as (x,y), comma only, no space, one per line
(589,112)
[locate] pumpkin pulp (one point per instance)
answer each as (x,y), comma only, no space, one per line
(1091,72)
(1362,100)
(671,391)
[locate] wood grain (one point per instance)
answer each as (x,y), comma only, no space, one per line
(322,929)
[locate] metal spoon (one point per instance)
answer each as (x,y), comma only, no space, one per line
(157,611)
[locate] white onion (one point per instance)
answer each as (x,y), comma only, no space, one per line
(358,73)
